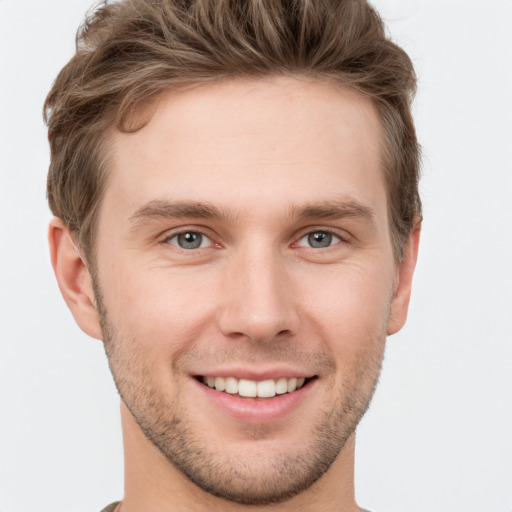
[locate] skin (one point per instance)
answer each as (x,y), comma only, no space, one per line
(274,160)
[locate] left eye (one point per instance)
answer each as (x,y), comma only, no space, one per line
(319,240)
(189,240)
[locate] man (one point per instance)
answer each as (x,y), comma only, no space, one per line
(237,217)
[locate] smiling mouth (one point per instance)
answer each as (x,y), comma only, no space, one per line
(246,388)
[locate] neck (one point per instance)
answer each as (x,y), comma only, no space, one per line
(153,483)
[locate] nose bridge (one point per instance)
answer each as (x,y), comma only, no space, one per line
(258,302)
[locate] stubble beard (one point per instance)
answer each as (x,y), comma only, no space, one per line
(270,478)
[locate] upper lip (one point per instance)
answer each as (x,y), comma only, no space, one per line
(254,373)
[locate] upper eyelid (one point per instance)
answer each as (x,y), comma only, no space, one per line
(171,233)
(333,233)
(174,235)
(342,234)
(330,231)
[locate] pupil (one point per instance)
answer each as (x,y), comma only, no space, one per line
(190,240)
(320,239)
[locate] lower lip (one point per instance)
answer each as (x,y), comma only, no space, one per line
(257,410)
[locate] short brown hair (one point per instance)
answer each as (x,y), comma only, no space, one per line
(129,52)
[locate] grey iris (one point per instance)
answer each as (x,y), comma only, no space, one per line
(190,240)
(320,239)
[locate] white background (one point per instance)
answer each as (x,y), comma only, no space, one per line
(438,437)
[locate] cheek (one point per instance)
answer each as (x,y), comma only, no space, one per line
(163,310)
(351,309)
(167,310)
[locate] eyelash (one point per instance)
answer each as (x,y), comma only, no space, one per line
(330,233)
(188,232)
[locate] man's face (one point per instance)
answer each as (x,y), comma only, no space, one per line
(243,238)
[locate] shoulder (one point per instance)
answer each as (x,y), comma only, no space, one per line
(111,507)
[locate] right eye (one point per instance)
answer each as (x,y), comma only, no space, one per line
(189,240)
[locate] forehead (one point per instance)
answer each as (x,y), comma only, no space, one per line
(251,142)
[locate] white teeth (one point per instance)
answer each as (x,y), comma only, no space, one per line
(220,384)
(266,388)
(247,388)
(292,384)
(231,385)
(251,389)
(282,386)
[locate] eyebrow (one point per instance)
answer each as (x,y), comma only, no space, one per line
(160,209)
(333,209)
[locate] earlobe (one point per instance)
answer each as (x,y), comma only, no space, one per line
(402,291)
(74,279)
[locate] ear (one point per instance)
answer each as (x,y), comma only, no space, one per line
(403,282)
(74,279)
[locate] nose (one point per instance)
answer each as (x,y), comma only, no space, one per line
(259,298)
